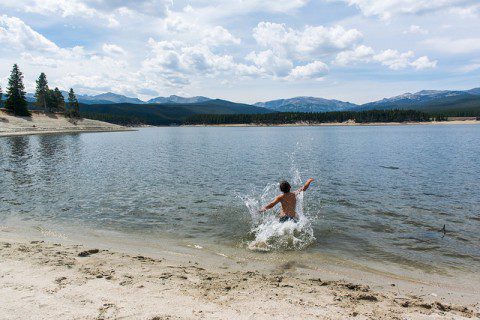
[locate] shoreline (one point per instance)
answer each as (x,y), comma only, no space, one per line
(342,124)
(60,131)
(72,280)
(39,124)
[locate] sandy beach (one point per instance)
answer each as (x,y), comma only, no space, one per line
(40,123)
(344,124)
(69,281)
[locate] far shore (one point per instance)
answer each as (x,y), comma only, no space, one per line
(340,124)
(40,123)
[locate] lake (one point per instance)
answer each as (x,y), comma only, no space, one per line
(382,193)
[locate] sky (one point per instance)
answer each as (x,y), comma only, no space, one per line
(244,50)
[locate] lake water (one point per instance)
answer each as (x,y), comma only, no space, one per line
(381,195)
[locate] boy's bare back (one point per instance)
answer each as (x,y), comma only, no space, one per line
(287,199)
(289,203)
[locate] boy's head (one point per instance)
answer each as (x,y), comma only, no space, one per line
(285,186)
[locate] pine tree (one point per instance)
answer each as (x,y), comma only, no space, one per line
(42,92)
(16,101)
(59,104)
(73,104)
(1,96)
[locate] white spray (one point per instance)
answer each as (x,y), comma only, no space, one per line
(271,234)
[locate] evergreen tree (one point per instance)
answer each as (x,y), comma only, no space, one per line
(1,96)
(59,100)
(16,101)
(42,92)
(73,104)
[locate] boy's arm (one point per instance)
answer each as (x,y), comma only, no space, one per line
(307,184)
(271,204)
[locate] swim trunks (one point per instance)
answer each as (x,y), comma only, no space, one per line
(287,218)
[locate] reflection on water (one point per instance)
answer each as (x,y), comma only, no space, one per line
(381,193)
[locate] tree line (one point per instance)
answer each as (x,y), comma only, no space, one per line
(324,117)
(46,99)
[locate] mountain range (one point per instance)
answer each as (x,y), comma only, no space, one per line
(306,104)
(109,98)
(164,114)
(425,100)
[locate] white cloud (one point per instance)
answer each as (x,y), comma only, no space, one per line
(454,46)
(14,32)
(63,8)
(182,27)
(314,70)
(214,10)
(394,59)
(70,67)
(271,63)
(267,5)
(470,67)
(391,58)
(385,9)
(113,49)
(302,44)
(39,61)
(414,29)
(472,11)
(424,63)
(218,35)
(361,53)
(177,60)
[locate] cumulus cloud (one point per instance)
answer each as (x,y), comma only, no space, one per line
(148,7)
(218,35)
(302,44)
(63,8)
(177,60)
(14,32)
(385,9)
(70,67)
(414,29)
(292,54)
(215,10)
(314,70)
(390,58)
(361,53)
(394,59)
(423,63)
(270,63)
(113,49)
(190,30)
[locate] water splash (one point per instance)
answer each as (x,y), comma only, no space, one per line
(269,233)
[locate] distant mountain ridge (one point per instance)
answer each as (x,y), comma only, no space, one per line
(427,100)
(109,98)
(421,100)
(164,114)
(422,96)
(306,104)
(424,100)
(178,99)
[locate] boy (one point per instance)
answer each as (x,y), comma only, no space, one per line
(288,201)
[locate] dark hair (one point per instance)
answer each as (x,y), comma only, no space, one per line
(285,186)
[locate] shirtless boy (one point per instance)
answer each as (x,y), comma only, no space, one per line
(288,200)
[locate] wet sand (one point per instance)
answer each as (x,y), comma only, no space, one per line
(40,123)
(70,281)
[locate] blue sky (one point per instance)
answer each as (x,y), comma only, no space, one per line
(244,50)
